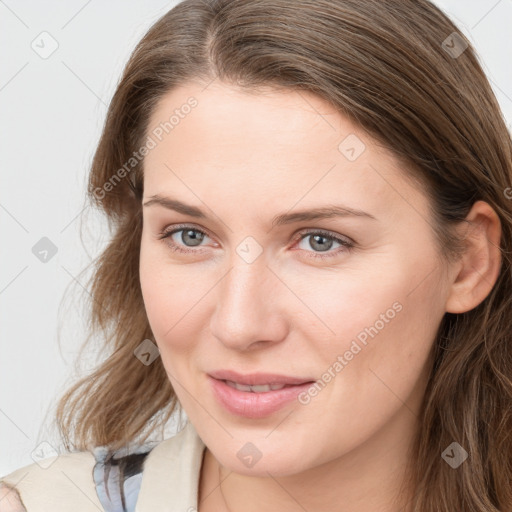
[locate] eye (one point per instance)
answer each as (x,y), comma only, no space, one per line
(323,241)
(190,237)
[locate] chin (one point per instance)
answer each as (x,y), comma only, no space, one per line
(259,458)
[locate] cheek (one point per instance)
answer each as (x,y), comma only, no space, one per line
(385,353)
(174,298)
(383,323)
(165,305)
(376,363)
(403,347)
(163,300)
(348,306)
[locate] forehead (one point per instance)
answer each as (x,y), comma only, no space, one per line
(270,145)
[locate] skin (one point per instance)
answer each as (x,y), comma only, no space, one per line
(244,158)
(10,500)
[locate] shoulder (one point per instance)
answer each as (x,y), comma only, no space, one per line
(51,484)
(102,479)
(87,480)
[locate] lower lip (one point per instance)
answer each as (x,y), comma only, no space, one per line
(255,405)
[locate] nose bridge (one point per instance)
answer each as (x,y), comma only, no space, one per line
(246,302)
(248,272)
(244,286)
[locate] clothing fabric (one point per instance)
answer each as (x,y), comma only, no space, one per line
(161,476)
(118,476)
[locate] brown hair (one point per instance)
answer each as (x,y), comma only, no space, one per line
(390,66)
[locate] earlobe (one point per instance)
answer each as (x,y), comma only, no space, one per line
(479,267)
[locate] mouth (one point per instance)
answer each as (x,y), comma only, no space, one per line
(257,380)
(261,388)
(256,395)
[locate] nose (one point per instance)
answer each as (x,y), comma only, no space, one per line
(250,307)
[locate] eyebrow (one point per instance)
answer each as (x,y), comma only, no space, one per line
(323,212)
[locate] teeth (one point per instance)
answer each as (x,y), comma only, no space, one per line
(263,388)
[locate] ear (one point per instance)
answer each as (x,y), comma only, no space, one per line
(478,269)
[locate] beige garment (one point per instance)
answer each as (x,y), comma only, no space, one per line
(170,479)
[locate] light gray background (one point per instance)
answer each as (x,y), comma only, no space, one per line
(52,111)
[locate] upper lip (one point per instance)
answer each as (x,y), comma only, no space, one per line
(256,379)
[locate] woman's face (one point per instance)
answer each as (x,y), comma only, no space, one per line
(270,271)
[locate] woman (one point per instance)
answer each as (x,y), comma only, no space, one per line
(310,257)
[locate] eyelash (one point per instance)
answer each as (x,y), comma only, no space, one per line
(345,244)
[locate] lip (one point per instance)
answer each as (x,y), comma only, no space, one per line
(256,379)
(257,405)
